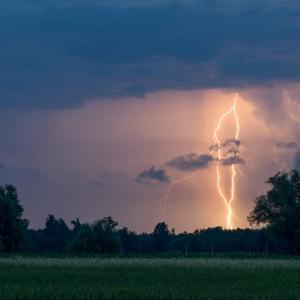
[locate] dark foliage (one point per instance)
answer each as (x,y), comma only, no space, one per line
(103,237)
(100,237)
(161,237)
(12,225)
(279,209)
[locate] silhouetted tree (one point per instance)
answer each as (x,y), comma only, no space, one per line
(76,225)
(56,234)
(100,237)
(12,225)
(83,240)
(161,237)
(105,238)
(146,243)
(34,239)
(279,209)
(129,241)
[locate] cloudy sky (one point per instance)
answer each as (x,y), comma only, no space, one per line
(105,104)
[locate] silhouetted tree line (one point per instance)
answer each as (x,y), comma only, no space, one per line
(103,236)
(278,210)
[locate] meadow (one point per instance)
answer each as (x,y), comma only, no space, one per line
(149,278)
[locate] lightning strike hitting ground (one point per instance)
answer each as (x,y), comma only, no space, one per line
(217,142)
(218,147)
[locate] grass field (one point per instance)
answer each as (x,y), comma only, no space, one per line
(121,278)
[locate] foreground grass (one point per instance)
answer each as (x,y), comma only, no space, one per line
(33,278)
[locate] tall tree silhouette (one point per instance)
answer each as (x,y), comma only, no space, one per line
(161,237)
(56,234)
(12,225)
(279,209)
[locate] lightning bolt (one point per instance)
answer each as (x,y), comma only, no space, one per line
(171,186)
(217,142)
(170,189)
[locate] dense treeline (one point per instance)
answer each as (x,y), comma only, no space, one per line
(103,236)
(279,210)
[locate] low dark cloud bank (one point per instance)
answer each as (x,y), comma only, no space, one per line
(190,162)
(230,147)
(232,143)
(153,175)
(287,145)
(233,160)
(56,54)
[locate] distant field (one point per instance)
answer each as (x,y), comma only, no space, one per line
(121,278)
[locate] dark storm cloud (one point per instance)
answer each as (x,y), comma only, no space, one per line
(60,53)
(191,162)
(232,142)
(230,147)
(232,152)
(287,145)
(151,175)
(233,160)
